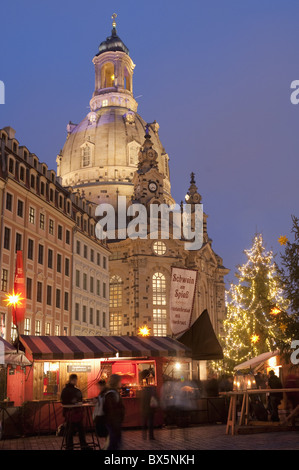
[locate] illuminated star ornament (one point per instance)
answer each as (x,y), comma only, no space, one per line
(144,331)
(255,338)
(13,300)
(283,240)
(275,311)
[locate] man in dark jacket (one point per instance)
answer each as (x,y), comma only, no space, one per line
(275,397)
(71,395)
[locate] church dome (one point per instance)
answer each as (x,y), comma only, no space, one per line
(113,43)
(100,155)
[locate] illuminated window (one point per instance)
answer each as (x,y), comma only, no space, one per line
(31,215)
(48,329)
(107,75)
(115,292)
(37,328)
(4,280)
(159,305)
(105,103)
(159,248)
(27,326)
(13,332)
(115,323)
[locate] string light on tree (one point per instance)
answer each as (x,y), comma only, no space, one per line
(254,305)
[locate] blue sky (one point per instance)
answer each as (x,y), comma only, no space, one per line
(215,75)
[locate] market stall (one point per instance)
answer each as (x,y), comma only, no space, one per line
(139,361)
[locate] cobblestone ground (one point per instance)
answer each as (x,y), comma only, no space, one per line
(198,438)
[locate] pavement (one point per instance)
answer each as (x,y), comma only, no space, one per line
(206,437)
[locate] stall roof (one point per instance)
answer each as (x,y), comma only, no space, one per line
(89,347)
(255,361)
(8,348)
(202,340)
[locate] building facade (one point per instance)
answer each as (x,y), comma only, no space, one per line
(107,155)
(39,217)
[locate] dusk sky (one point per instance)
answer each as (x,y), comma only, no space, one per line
(215,75)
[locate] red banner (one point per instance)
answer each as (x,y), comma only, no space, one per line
(18,311)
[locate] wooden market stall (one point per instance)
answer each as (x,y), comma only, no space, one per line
(251,381)
(139,361)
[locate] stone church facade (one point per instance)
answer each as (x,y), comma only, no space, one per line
(114,152)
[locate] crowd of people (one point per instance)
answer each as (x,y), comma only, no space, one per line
(177,400)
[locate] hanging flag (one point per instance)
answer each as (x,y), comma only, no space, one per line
(19,308)
(182,293)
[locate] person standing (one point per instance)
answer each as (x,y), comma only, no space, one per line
(114,412)
(275,397)
(71,395)
(148,405)
(98,414)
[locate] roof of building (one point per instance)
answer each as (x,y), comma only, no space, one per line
(113,43)
(92,347)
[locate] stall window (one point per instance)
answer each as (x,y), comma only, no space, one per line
(146,373)
(51,379)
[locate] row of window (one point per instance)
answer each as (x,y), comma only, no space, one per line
(32,219)
(94,287)
(95,318)
(159,304)
(28,330)
(92,256)
(40,252)
(43,187)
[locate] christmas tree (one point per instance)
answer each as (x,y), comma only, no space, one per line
(254,305)
(289,273)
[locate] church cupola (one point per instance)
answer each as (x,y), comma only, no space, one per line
(113,74)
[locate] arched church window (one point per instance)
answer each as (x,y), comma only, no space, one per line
(159,304)
(86,156)
(107,75)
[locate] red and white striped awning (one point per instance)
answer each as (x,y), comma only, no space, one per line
(92,347)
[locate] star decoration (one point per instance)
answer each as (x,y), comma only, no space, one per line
(255,338)
(283,240)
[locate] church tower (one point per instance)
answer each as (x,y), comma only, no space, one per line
(100,155)
(114,152)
